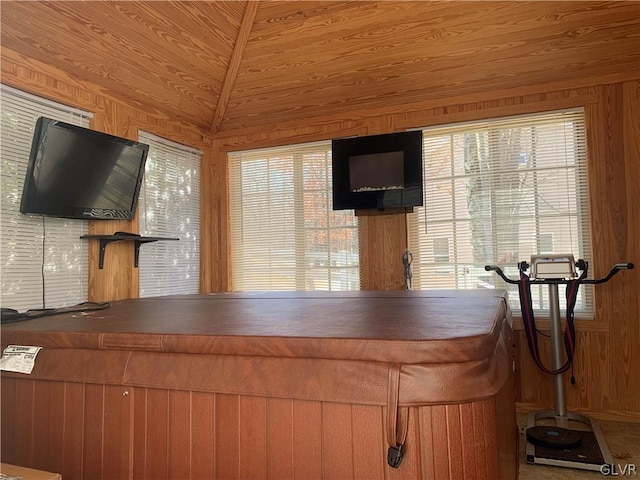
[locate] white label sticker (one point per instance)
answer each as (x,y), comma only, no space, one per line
(19,358)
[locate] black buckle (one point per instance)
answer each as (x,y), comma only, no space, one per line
(395,455)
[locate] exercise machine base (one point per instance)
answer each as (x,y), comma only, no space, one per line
(590,455)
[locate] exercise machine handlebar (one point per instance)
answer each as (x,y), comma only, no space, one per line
(615,269)
(581,264)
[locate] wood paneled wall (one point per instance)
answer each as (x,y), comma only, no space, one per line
(116,116)
(608,357)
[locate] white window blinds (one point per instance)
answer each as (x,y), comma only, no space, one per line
(43,260)
(169,206)
(285,235)
(496,192)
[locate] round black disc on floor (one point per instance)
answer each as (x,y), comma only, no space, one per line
(553,437)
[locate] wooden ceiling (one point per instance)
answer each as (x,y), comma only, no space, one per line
(230,65)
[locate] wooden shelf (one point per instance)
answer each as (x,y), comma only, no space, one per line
(137,239)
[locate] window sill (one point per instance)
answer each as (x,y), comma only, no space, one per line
(582,324)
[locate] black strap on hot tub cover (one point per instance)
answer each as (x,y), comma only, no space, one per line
(397,419)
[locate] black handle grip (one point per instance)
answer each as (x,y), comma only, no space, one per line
(615,269)
(624,266)
(498,270)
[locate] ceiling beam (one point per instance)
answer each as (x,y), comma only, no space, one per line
(234,63)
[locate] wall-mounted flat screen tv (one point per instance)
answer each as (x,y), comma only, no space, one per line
(377,171)
(75,172)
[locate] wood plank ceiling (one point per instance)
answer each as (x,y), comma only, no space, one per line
(232,65)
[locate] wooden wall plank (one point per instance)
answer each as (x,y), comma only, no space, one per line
(139,441)
(42,424)
(307,440)
(57,427)
(279,439)
(157,434)
(94,425)
(383,247)
(227,436)
(479,429)
(623,297)
(441,463)
(367,422)
(591,371)
(210,253)
(490,449)
(337,441)
(427,454)
(74,415)
(624,386)
(180,453)
(217,244)
(118,428)
(508,432)
(255,436)
(203,429)
(8,408)
(455,441)
(470,466)
(24,419)
(118,280)
(412,461)
(615,203)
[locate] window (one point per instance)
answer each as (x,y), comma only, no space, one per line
(285,235)
(499,191)
(440,249)
(169,206)
(44,262)
(545,243)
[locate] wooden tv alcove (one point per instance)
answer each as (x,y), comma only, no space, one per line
(268,385)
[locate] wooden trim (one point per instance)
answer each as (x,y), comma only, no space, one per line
(529,94)
(527,107)
(583,325)
(234,63)
(603,415)
(417,115)
(276,137)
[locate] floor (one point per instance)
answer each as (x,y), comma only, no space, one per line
(623,440)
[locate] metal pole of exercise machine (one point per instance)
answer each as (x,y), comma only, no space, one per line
(562,420)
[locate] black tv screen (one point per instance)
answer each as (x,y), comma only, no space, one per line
(75,172)
(377,171)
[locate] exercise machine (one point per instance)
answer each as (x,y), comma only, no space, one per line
(559,445)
